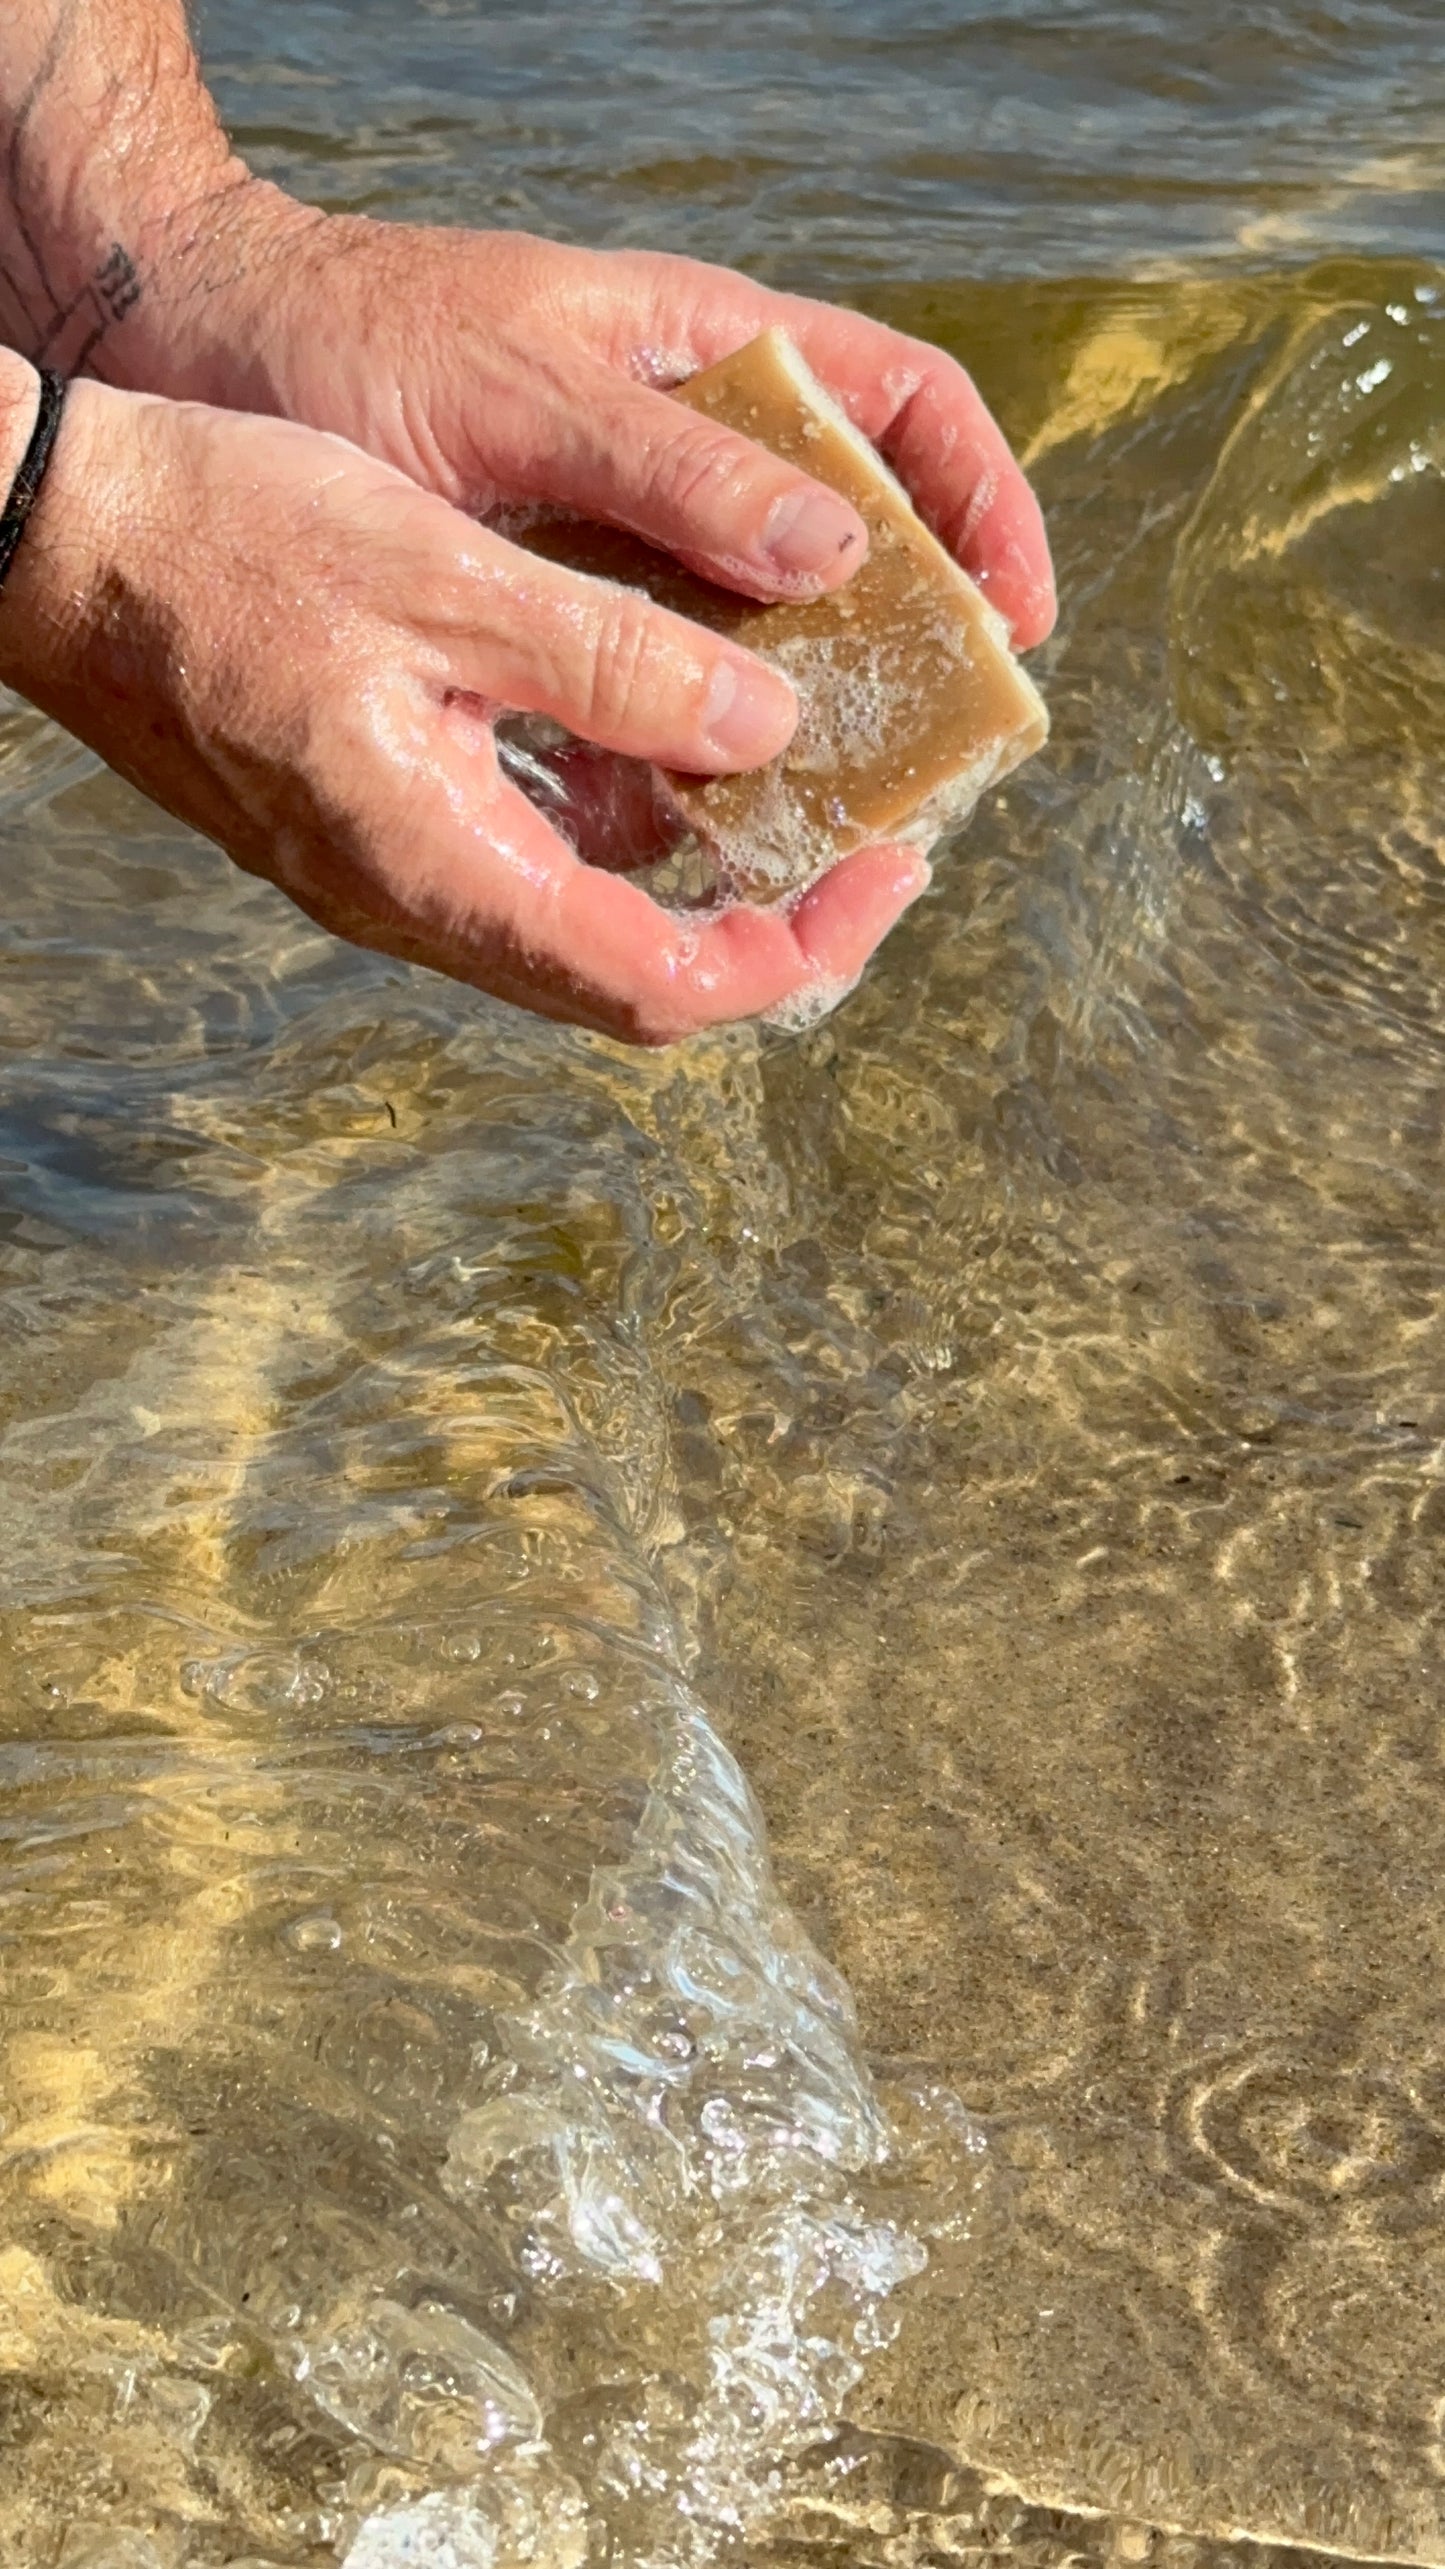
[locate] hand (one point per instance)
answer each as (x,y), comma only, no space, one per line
(357,768)
(291,646)
(492,367)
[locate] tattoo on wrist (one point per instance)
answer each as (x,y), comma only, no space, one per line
(116,283)
(60,327)
(69,339)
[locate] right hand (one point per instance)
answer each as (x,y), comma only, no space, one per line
(293,648)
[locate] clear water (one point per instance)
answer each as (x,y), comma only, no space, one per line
(442,1456)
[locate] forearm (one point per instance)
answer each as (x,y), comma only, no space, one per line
(123,210)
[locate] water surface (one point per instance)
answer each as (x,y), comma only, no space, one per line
(443,1456)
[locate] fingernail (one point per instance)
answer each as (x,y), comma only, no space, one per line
(750,713)
(808,532)
(911,881)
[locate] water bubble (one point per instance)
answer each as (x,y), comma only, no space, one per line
(424,2385)
(261,1681)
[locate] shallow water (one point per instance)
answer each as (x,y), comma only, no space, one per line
(443,1455)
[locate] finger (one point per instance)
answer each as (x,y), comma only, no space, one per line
(722,504)
(932,424)
(915,403)
(499,900)
(519,631)
(845,915)
(669,978)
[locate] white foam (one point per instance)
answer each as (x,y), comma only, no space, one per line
(807,1007)
(689,2101)
(522,2524)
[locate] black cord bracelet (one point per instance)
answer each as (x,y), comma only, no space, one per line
(25,489)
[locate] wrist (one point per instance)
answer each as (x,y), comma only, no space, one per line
(134,244)
(55,577)
(19,394)
(211,272)
(111,138)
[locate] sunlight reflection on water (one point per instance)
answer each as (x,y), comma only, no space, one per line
(1008,1416)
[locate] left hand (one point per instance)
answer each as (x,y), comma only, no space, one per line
(496,368)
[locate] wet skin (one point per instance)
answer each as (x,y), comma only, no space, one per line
(298,647)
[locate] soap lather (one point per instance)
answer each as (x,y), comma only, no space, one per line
(911,702)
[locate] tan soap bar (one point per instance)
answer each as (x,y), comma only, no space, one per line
(912,703)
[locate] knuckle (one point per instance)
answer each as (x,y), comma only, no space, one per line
(702,465)
(623,666)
